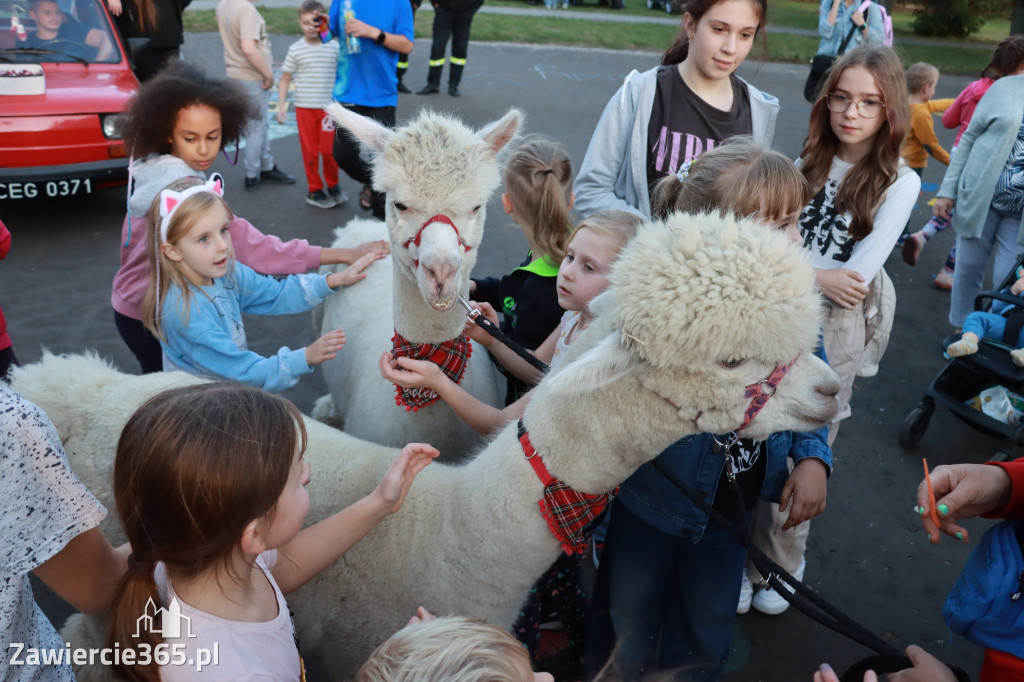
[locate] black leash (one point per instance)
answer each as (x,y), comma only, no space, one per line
(804,599)
(475,316)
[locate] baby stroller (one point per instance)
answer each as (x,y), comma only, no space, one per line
(965,377)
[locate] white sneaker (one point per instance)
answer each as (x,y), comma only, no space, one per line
(746,593)
(770,602)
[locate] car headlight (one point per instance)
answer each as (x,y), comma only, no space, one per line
(111,126)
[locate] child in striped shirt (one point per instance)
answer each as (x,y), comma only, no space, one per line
(313,63)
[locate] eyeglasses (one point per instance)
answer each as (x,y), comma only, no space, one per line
(868,108)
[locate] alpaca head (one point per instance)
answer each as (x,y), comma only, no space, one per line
(701,308)
(437,174)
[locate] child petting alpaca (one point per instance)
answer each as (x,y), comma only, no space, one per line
(583,274)
(668,581)
(198,292)
(990,324)
(174,129)
(209,482)
(538,196)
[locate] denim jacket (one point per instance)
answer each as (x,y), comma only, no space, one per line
(698,461)
(832,35)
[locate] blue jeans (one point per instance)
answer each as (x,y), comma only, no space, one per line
(663,603)
(972,256)
(990,326)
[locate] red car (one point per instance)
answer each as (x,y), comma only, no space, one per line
(64,78)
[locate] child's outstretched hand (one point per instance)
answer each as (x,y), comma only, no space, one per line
(422,616)
(474,332)
(410,373)
(354,272)
(395,485)
(369,247)
(325,348)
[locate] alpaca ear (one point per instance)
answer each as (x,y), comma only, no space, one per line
(599,367)
(499,133)
(372,134)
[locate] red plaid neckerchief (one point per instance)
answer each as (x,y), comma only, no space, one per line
(570,514)
(450,356)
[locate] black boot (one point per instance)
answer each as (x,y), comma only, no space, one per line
(429,89)
(453,90)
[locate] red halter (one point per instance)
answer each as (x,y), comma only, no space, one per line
(439,218)
(759,394)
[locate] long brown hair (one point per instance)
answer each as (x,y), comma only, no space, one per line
(677,51)
(164,272)
(1007,58)
(734,177)
(194,466)
(538,181)
(864,184)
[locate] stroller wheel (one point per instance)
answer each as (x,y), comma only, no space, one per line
(914,427)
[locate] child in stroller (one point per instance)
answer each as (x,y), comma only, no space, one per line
(1003,321)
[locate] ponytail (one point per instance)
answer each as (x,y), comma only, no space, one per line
(129,628)
(538,181)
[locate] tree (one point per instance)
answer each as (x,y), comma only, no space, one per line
(955,18)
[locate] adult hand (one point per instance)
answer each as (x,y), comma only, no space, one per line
(943,208)
(926,668)
(360,29)
(962,491)
(397,480)
(477,333)
(409,373)
(354,273)
(267,82)
(845,287)
(806,489)
(325,348)
(827,674)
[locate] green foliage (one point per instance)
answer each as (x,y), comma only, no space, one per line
(954,18)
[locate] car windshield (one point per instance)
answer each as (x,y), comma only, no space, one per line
(43,31)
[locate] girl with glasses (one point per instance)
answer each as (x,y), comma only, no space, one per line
(862,196)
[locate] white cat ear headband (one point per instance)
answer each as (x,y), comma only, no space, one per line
(170,200)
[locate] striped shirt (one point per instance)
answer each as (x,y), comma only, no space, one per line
(312,67)
(1009,194)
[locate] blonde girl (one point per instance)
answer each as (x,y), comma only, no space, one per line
(668,583)
(582,275)
(209,482)
(538,196)
(198,292)
(665,117)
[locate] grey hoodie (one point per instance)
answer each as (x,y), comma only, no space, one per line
(609,180)
(151,175)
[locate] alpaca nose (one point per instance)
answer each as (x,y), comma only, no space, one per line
(440,273)
(830,387)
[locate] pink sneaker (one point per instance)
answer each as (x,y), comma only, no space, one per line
(912,247)
(944,280)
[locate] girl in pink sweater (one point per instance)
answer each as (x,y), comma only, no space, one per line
(174,129)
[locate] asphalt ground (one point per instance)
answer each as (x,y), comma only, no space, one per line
(867,554)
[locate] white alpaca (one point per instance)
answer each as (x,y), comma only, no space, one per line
(698,312)
(438,175)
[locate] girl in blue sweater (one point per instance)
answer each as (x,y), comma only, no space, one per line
(198,292)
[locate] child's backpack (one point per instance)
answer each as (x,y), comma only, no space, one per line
(886,21)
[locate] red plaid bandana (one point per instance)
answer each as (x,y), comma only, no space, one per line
(570,514)
(450,356)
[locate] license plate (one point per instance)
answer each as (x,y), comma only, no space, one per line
(48,188)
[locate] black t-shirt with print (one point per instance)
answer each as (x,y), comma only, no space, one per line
(748,459)
(683,126)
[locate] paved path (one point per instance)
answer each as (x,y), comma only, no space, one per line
(655,17)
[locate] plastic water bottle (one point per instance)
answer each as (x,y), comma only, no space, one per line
(351,42)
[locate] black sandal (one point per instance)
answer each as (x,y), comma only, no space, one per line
(364,198)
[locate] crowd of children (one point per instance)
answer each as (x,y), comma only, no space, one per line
(229,544)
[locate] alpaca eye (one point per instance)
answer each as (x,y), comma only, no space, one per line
(399,206)
(477,208)
(730,364)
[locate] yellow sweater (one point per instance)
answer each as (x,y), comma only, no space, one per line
(921,138)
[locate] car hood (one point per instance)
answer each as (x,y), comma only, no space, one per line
(76,89)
